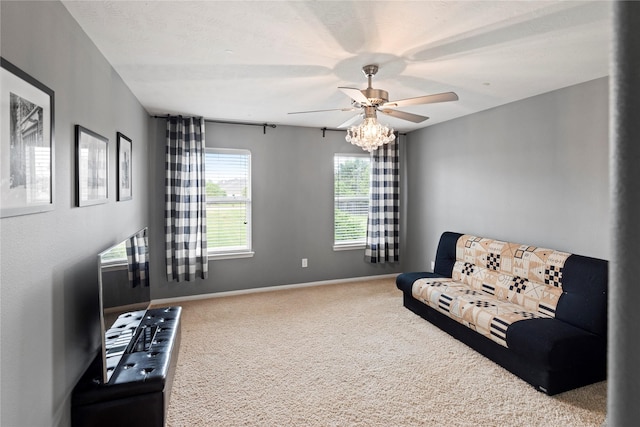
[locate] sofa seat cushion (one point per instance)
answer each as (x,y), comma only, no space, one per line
(555,345)
(475,309)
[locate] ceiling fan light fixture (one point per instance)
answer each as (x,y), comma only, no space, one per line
(370,134)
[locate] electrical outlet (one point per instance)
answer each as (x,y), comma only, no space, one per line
(304,263)
(433,265)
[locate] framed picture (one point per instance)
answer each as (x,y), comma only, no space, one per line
(26,143)
(92,166)
(124,168)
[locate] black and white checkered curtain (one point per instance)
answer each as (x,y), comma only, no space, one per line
(185,200)
(138,259)
(383,224)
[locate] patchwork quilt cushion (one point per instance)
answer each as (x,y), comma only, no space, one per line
(481,312)
(527,262)
(525,275)
(533,296)
(495,284)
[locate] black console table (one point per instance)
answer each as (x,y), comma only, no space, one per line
(138,391)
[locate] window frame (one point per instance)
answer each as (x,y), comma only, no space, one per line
(352,244)
(247,251)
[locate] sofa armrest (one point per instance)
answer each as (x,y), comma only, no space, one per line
(555,345)
(404,281)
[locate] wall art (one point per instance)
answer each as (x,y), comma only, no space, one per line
(26,143)
(125,188)
(92,167)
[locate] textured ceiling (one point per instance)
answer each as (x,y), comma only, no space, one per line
(257,61)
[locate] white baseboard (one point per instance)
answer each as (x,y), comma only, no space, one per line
(174,300)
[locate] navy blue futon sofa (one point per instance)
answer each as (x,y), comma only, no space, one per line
(539,313)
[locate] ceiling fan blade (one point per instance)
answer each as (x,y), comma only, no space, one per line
(415,118)
(322,111)
(427,99)
(355,94)
(351,121)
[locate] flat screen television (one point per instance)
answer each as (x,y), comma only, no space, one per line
(124,297)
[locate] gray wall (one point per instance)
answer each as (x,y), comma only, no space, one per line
(48,271)
(534,171)
(292,211)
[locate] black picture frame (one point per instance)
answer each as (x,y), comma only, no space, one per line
(92,167)
(27,152)
(124,167)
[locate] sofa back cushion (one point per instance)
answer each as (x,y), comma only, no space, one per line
(525,275)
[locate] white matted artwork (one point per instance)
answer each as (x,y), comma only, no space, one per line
(92,166)
(26,143)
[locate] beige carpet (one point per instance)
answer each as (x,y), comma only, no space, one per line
(348,355)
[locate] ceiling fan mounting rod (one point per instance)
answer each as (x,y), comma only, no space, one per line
(375,96)
(370,71)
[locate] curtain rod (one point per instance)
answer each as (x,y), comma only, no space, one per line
(264,125)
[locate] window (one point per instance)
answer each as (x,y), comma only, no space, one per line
(351,200)
(228,187)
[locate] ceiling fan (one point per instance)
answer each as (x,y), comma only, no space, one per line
(371,100)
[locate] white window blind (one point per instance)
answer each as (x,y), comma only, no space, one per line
(228,187)
(351,199)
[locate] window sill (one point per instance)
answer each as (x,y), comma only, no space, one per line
(230,255)
(352,247)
